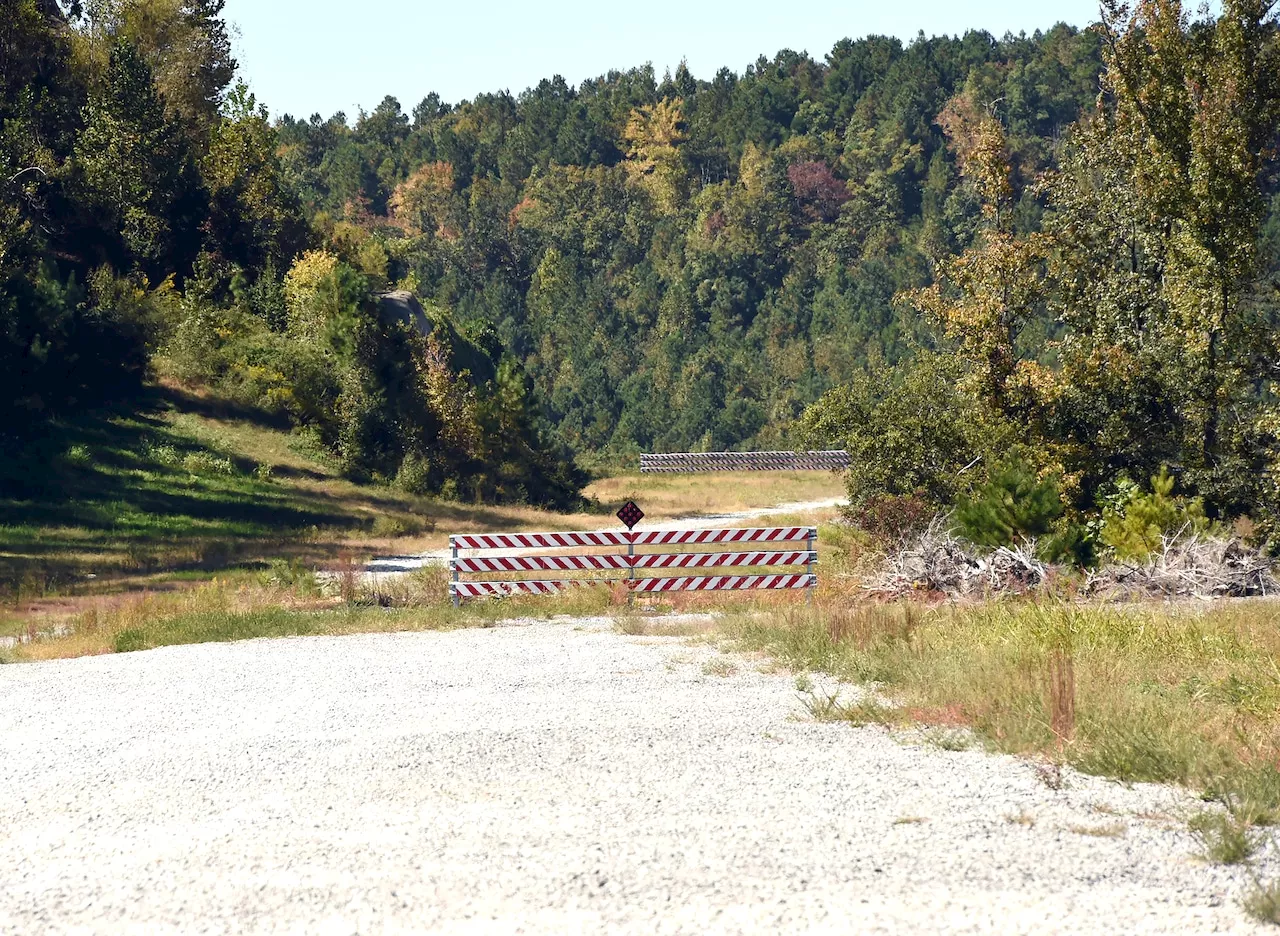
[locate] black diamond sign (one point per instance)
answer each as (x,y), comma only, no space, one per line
(630,514)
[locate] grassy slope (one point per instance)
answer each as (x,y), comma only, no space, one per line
(189,486)
(186,484)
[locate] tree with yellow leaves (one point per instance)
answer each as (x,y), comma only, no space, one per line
(983,298)
(652,141)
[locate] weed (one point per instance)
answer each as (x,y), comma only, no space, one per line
(1136,750)
(1223,839)
(823,707)
(1110,830)
(207,463)
(292,575)
(1262,902)
(719,667)
(1062,695)
(827,707)
(348,574)
(948,739)
(804,683)
(131,641)
(1021,817)
(909,820)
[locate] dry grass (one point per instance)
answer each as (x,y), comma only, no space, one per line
(244,606)
(667,496)
(134,511)
(1149,693)
(1110,830)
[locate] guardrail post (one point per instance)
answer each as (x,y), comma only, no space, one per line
(453,566)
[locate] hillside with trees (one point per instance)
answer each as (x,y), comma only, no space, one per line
(976,262)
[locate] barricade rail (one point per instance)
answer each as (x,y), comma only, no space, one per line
(631,562)
(688,462)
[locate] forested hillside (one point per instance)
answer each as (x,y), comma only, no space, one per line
(148,230)
(687,263)
(1029,280)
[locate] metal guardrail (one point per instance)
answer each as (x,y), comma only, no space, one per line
(683,462)
(749,564)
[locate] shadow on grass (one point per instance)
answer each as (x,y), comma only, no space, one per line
(121,489)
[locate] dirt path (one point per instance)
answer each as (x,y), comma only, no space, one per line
(546,778)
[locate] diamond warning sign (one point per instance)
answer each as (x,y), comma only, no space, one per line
(630,514)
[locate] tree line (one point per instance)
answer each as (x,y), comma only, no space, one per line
(1025,261)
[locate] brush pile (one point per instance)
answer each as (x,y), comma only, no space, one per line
(937,561)
(1188,566)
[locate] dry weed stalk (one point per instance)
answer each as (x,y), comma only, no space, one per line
(1062,696)
(349,574)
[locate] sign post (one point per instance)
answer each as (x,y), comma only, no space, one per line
(630,515)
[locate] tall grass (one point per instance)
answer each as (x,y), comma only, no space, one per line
(285,601)
(1153,693)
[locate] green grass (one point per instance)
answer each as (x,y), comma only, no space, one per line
(1262,902)
(184,484)
(178,484)
(1224,839)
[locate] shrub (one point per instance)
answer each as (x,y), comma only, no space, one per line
(892,518)
(1135,524)
(909,431)
(1014,504)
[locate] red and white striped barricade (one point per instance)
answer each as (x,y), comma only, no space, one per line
(756,564)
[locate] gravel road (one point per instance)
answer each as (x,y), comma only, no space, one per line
(541,778)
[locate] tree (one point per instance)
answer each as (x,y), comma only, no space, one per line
(986,296)
(185,44)
(653,136)
(254,219)
(1155,219)
(136,169)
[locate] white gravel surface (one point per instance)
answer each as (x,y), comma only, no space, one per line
(545,778)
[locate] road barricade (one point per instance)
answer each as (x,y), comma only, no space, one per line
(694,462)
(755,563)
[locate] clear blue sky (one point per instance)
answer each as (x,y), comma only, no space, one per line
(304,56)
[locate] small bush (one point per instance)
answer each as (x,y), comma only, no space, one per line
(163,454)
(1135,524)
(131,641)
(78,455)
(292,575)
(892,518)
(389,525)
(1013,505)
(206,463)
(414,475)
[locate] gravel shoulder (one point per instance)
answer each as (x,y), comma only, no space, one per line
(542,778)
